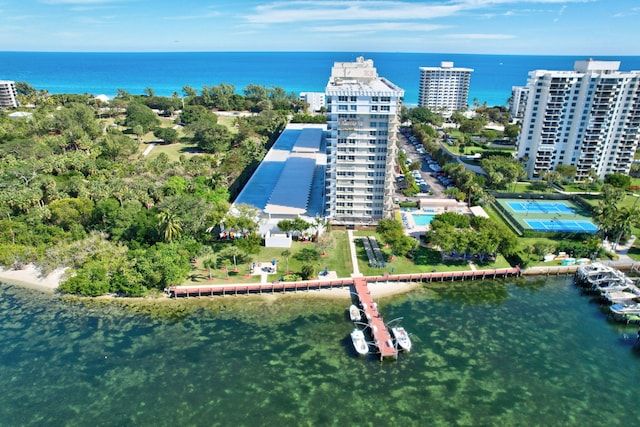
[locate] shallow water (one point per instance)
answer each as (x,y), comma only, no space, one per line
(485,353)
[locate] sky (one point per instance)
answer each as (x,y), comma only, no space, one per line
(546,27)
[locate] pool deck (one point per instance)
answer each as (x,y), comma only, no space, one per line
(430,207)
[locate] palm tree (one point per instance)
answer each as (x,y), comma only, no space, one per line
(286,254)
(226,263)
(209,264)
(625,219)
(170,225)
(234,252)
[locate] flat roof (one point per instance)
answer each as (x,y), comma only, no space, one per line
(309,139)
(290,175)
(291,192)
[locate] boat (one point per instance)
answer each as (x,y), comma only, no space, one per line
(359,341)
(402,338)
(354,313)
(625,309)
(624,296)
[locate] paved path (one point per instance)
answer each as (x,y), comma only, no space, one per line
(354,256)
(149,148)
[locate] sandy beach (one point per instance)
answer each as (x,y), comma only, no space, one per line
(30,277)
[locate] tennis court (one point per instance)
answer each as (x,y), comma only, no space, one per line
(571,226)
(535,206)
(547,215)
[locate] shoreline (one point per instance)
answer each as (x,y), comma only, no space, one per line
(30,277)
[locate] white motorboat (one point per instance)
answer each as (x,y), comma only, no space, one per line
(625,309)
(359,341)
(402,338)
(354,313)
(625,296)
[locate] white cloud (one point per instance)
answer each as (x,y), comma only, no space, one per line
(279,12)
(379,26)
(631,12)
(297,11)
(191,17)
(476,36)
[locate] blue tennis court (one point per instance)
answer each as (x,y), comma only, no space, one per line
(540,207)
(573,226)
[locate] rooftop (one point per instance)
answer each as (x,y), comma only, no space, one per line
(292,172)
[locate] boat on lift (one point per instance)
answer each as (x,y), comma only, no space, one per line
(354,313)
(359,341)
(402,338)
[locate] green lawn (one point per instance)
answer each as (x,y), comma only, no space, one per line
(425,260)
(337,259)
(173,151)
(229,122)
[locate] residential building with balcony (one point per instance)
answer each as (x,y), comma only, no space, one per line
(588,117)
(8,94)
(362,130)
(518,101)
(444,89)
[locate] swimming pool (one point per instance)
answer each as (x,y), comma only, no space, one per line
(422,219)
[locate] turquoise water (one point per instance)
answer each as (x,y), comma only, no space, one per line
(166,73)
(485,353)
(422,219)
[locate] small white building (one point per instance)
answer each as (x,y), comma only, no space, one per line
(316,100)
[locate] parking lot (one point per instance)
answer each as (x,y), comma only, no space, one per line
(430,177)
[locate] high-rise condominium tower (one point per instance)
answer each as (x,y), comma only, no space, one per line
(8,94)
(444,89)
(589,118)
(362,126)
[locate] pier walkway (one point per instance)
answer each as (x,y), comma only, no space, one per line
(258,288)
(381,337)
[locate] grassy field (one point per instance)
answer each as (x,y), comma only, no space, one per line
(424,260)
(338,259)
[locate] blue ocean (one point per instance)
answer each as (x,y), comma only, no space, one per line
(166,73)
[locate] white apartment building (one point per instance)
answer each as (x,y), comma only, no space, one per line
(314,99)
(518,101)
(444,89)
(8,94)
(589,118)
(362,123)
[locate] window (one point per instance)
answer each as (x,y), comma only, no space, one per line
(374,108)
(343,99)
(384,108)
(353,98)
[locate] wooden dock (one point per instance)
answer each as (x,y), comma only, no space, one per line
(257,288)
(381,336)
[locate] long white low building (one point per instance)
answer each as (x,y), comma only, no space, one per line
(290,180)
